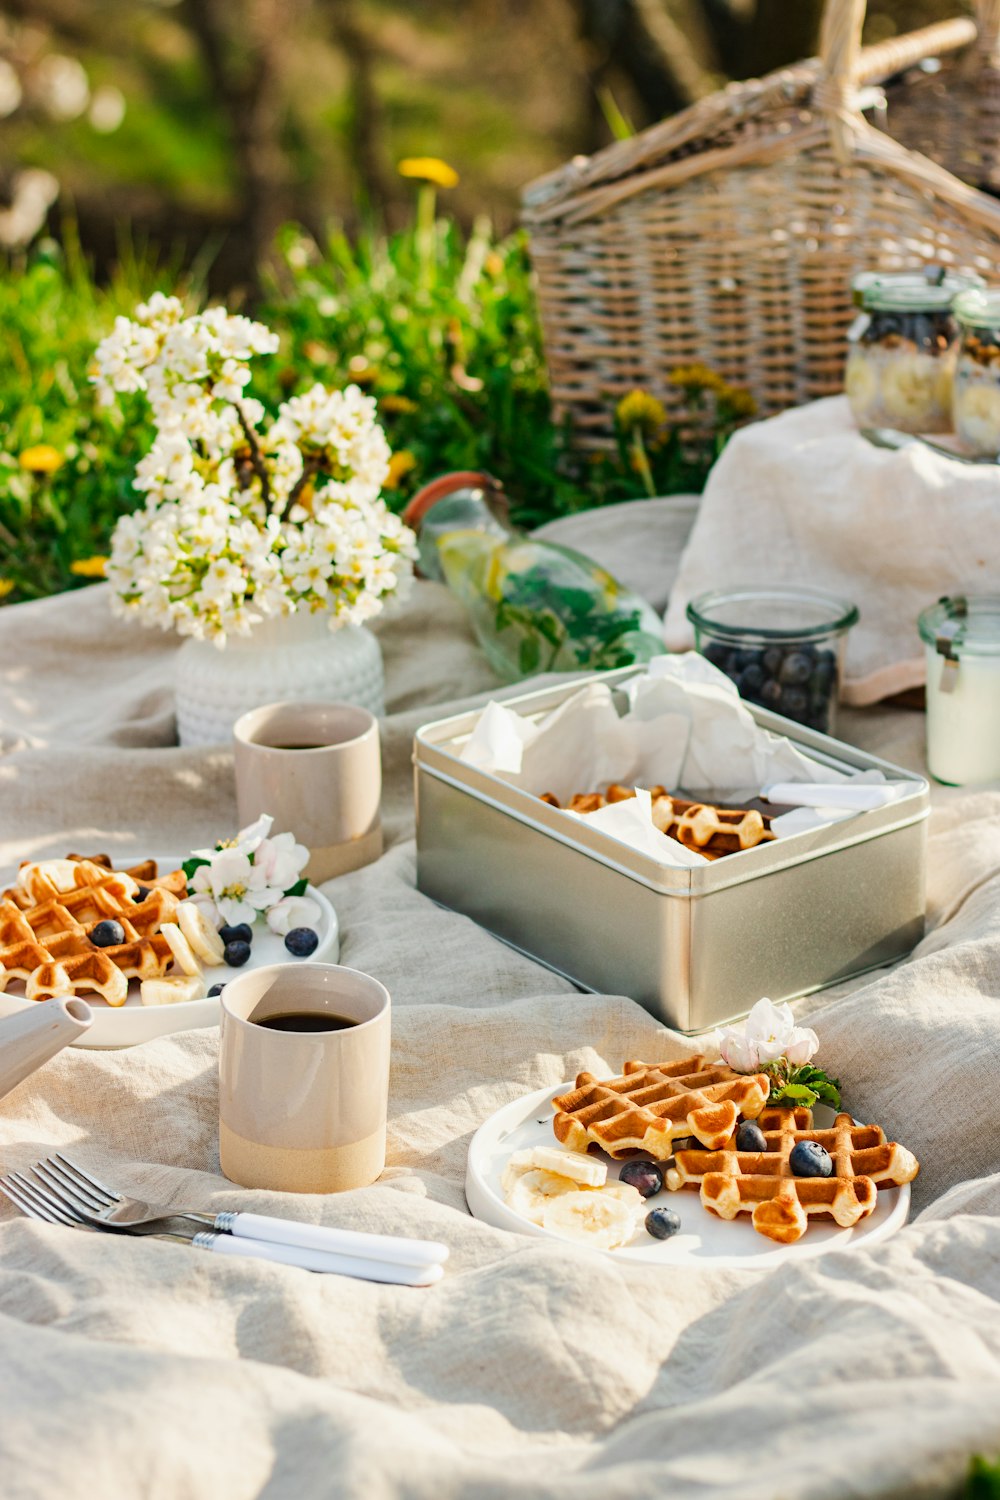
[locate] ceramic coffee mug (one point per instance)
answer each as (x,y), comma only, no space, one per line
(317,768)
(303,1112)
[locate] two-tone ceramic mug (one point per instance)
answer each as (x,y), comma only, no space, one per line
(317,769)
(303,1111)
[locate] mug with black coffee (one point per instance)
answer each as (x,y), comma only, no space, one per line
(303,1078)
(316,768)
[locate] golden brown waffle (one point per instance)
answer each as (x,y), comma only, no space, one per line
(651,1106)
(712,831)
(762,1184)
(46,919)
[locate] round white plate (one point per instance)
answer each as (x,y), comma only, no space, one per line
(703,1239)
(127,1025)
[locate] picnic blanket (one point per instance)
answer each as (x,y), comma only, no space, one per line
(139,1368)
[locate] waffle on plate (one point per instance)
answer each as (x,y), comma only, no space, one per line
(48,915)
(650,1107)
(781,1203)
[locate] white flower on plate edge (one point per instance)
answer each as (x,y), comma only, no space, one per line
(768,1033)
(250,874)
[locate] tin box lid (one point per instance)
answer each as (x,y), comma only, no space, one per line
(963,624)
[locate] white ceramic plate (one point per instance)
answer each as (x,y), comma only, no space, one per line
(127,1025)
(703,1239)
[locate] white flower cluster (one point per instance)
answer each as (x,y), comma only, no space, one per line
(254,873)
(243,520)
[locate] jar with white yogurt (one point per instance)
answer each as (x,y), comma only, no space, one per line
(902,349)
(976,399)
(962,640)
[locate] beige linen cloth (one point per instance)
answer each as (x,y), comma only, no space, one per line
(803,498)
(133,1368)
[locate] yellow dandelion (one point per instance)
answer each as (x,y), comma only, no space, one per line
(428,169)
(6,587)
(493,264)
(399,406)
(400,464)
(694,378)
(42,459)
(737,400)
(89,567)
(640,410)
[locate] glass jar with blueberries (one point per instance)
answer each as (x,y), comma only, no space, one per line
(782,647)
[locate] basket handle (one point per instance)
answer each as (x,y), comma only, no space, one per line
(839,55)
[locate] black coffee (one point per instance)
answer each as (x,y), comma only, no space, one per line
(306,1020)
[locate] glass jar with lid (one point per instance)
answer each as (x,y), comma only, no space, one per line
(961,636)
(976,397)
(902,349)
(782,646)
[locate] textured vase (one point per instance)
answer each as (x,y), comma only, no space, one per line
(297,657)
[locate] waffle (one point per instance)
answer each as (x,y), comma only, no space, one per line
(651,1106)
(712,831)
(761,1183)
(46,919)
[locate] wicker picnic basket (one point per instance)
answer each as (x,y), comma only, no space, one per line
(728,235)
(948,106)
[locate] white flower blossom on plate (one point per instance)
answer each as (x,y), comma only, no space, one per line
(768,1033)
(293,911)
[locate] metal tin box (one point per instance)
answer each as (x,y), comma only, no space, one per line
(694,946)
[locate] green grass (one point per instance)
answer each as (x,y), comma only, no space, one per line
(440,327)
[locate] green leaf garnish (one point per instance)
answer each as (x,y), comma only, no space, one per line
(800,1086)
(983,1481)
(190,865)
(298,889)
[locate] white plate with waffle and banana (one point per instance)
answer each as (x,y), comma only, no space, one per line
(582,1163)
(157,979)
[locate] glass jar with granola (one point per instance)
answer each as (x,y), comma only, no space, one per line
(902,349)
(976,400)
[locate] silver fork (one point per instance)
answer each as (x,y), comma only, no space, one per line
(57,1204)
(93,1201)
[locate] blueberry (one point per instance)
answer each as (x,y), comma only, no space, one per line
(772,659)
(645,1176)
(751,680)
(241,933)
(750,1137)
(717,654)
(302,941)
(770,694)
(141,894)
(216,990)
(107,934)
(810,1159)
(662,1223)
(744,657)
(236,953)
(795,669)
(794,702)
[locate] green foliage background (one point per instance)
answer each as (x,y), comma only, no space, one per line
(442,330)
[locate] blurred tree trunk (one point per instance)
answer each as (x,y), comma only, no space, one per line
(752,37)
(365,120)
(242,51)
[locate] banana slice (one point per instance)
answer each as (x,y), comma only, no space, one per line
(531,1194)
(599,1219)
(181,949)
(201,935)
(585,1170)
(172,990)
(519,1163)
(624,1191)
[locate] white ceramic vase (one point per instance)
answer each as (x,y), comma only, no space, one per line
(296,657)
